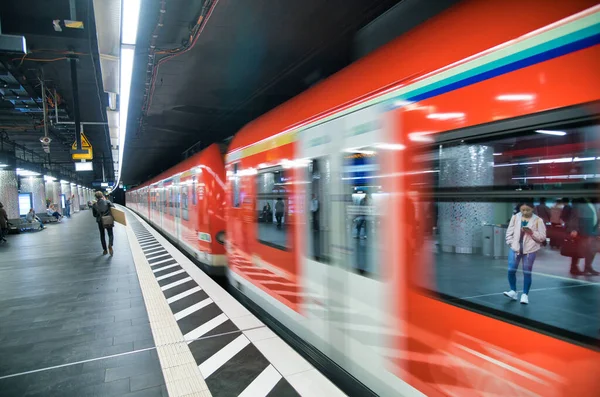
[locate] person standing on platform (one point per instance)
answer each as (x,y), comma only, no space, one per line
(101,211)
(279,210)
(525,235)
(68,207)
(314,209)
(584,228)
(3,223)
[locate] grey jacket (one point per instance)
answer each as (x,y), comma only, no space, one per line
(101,208)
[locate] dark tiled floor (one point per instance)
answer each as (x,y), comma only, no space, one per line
(62,302)
(556,298)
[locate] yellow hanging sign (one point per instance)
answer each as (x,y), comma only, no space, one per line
(86,146)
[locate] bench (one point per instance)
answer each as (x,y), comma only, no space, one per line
(47,218)
(20,225)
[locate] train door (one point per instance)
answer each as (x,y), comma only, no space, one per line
(318,273)
(161,205)
(359,316)
(177,207)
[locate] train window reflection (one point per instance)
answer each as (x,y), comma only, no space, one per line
(514,227)
(235,181)
(185,192)
(318,214)
(273,207)
(362,197)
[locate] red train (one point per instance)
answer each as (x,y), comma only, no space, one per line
(367,215)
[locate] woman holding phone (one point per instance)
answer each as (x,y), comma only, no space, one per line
(525,234)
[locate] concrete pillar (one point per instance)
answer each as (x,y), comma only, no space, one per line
(9,195)
(461,222)
(75,201)
(66,191)
(56,189)
(35,185)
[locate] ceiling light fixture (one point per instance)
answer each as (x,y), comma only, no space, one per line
(515,97)
(129,26)
(390,146)
(550,132)
(446,116)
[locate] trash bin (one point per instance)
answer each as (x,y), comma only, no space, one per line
(500,246)
(488,240)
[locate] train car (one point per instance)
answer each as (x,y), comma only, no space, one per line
(187,203)
(369,214)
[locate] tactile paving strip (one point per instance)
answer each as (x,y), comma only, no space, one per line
(190,327)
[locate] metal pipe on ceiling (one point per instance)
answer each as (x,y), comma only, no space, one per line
(82,122)
(73,62)
(45,107)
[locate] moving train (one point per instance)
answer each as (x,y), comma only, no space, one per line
(367,215)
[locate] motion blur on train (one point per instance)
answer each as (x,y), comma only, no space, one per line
(369,215)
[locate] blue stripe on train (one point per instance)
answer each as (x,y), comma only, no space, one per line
(523,63)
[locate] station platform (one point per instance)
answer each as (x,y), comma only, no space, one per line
(144,322)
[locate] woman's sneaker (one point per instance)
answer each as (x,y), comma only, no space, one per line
(524,299)
(511,294)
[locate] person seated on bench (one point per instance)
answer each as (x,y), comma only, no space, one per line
(52,212)
(31,218)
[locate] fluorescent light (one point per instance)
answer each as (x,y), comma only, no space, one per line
(129,23)
(359,151)
(550,132)
(3,165)
(422,136)
(22,172)
(583,159)
(561,160)
(49,178)
(127,55)
(446,116)
(87,166)
(497,154)
(390,146)
(104,184)
(63,181)
(515,97)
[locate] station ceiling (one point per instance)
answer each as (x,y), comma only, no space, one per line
(21,114)
(203,69)
(248,57)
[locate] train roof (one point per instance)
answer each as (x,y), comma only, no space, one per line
(463,30)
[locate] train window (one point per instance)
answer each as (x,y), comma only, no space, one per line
(362,196)
(235,186)
(193,193)
(185,193)
(272,207)
(318,214)
(484,194)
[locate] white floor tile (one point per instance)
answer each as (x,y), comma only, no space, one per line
(160,269)
(247,322)
(232,308)
(176,283)
(194,308)
(259,334)
(313,383)
(283,357)
(204,328)
(215,362)
(262,384)
(165,276)
(183,294)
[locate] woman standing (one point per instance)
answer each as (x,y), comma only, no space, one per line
(102,209)
(525,234)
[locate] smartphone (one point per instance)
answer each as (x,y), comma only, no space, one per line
(526,228)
